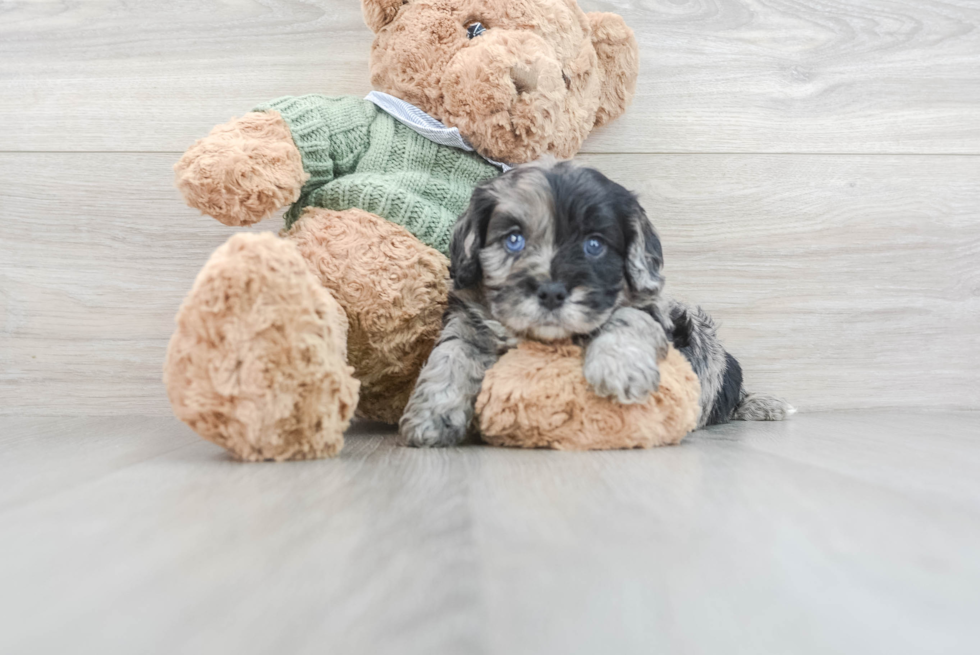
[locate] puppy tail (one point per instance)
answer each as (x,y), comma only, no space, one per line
(762,407)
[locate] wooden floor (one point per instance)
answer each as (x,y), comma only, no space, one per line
(851,532)
(813,167)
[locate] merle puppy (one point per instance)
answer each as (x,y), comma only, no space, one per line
(554,251)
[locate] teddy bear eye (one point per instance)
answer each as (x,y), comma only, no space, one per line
(475,29)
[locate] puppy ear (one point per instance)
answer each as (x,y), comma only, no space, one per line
(644,255)
(619,58)
(468,238)
(378,13)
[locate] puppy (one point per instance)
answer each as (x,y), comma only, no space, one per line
(554,251)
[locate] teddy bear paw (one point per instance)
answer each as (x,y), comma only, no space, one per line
(243,171)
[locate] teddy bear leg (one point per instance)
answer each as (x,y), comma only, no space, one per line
(393,289)
(257,363)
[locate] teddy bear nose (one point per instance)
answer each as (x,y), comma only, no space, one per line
(525,78)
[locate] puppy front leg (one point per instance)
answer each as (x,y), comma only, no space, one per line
(621,362)
(441,407)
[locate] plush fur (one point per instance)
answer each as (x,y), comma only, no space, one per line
(393,290)
(255,311)
(243,171)
(552,251)
(618,55)
(536,396)
(538,80)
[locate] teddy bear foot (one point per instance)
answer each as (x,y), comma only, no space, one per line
(258,363)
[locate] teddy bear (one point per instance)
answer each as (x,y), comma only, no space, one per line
(283,338)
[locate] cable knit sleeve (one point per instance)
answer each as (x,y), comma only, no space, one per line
(331,133)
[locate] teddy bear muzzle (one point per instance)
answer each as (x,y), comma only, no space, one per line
(506,91)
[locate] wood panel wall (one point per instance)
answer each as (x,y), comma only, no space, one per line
(813,167)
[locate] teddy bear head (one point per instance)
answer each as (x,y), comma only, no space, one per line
(518,78)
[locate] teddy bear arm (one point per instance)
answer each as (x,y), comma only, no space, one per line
(332,135)
(243,171)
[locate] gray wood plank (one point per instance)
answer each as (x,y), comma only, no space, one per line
(839,532)
(839,281)
(152,557)
(95,448)
(748,539)
(884,76)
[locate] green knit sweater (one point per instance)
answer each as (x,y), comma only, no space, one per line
(359,156)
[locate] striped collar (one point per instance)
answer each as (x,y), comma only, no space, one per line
(419,121)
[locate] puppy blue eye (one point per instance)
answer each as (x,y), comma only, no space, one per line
(594,247)
(514,242)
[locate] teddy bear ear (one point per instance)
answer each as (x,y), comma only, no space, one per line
(619,60)
(378,13)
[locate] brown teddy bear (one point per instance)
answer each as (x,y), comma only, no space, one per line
(282,339)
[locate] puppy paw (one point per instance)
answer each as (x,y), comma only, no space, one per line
(623,368)
(431,428)
(763,407)
(626,381)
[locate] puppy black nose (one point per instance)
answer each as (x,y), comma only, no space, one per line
(552,294)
